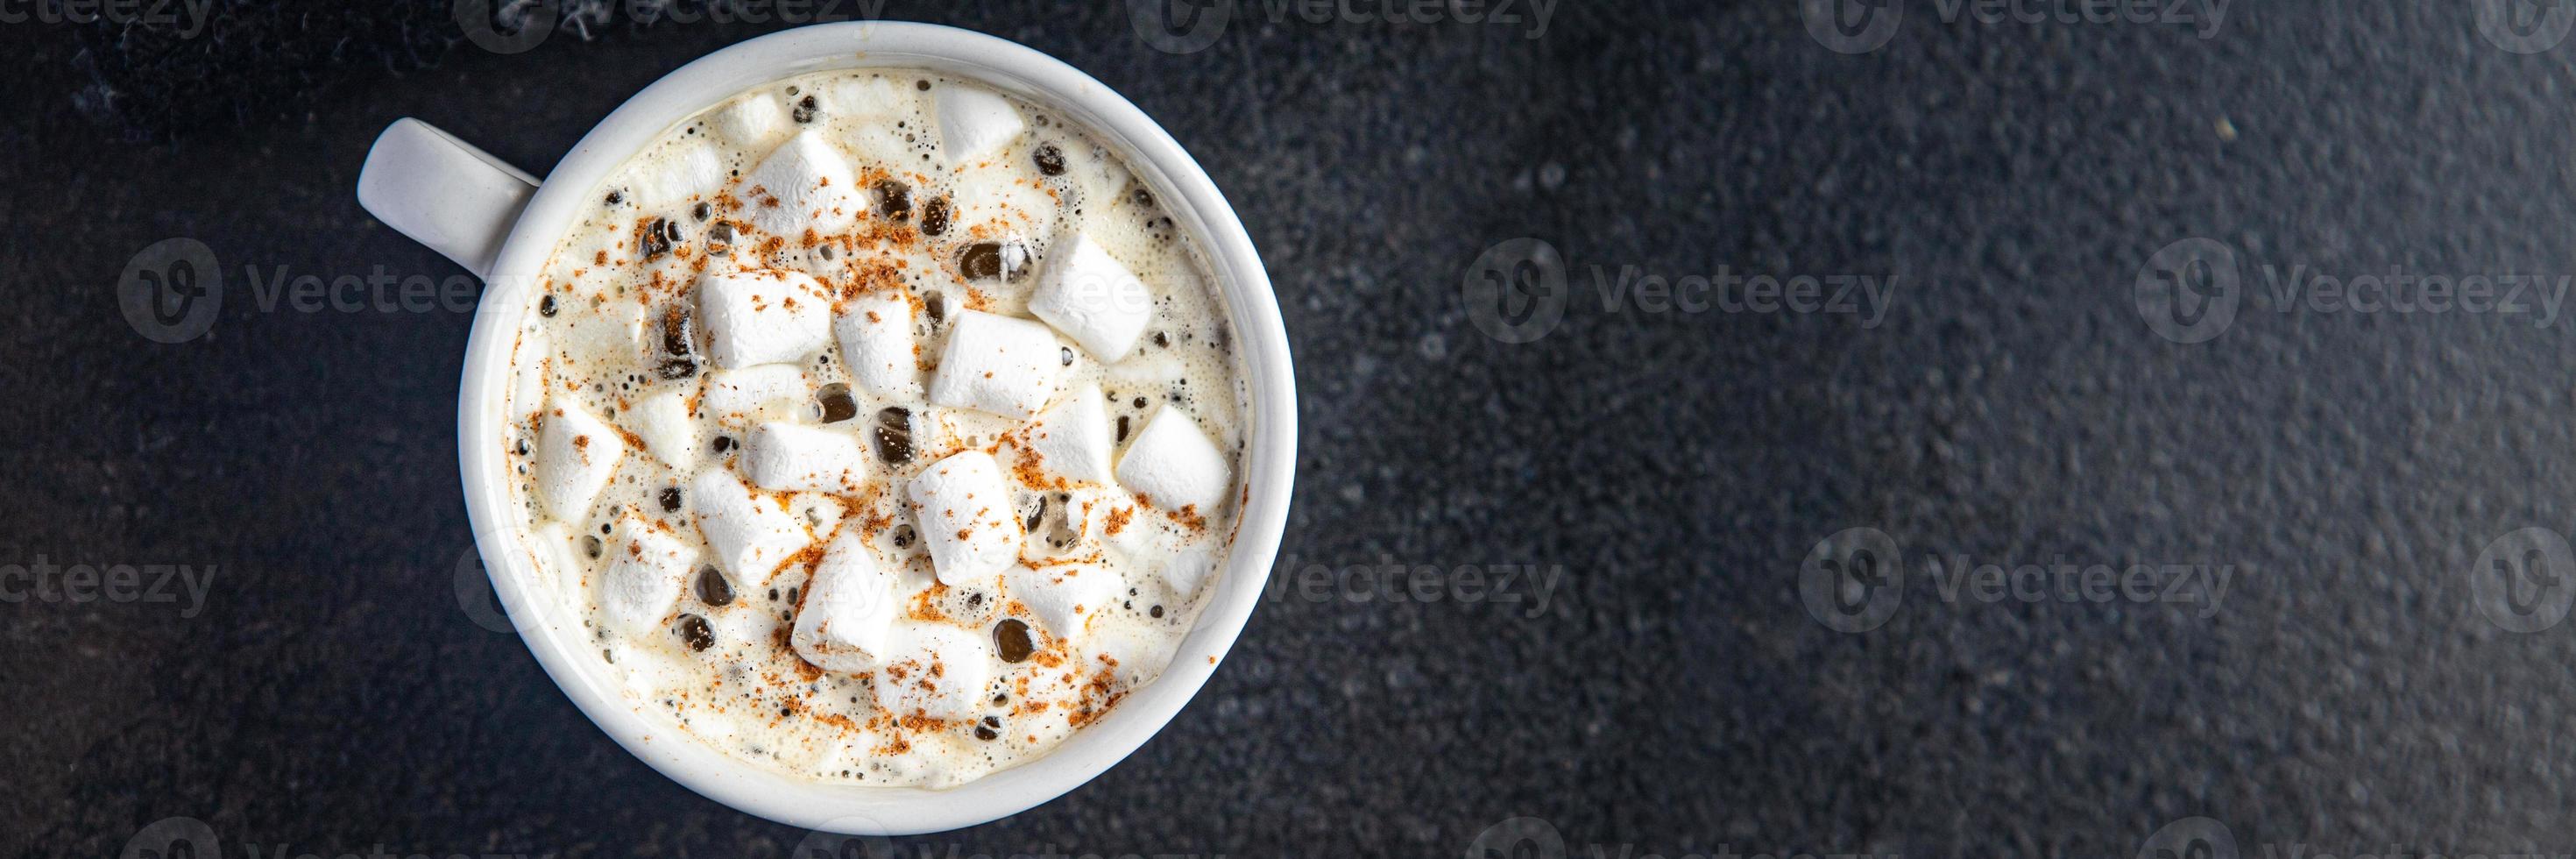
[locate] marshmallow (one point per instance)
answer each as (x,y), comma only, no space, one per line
(934,670)
(1173,463)
(972,121)
(804,184)
(849,608)
(1065,597)
(576,453)
(746,396)
(875,331)
(753,122)
(791,458)
(645,570)
(749,534)
(1188,568)
(874,98)
(535,363)
(965,516)
(765,316)
(1092,298)
(999,364)
(1073,437)
(695,171)
(662,422)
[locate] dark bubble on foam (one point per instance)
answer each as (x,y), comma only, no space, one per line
(712,588)
(670,498)
(894,435)
(1050,160)
(934,217)
(1011,637)
(697,632)
(838,405)
(894,199)
(1007,261)
(659,236)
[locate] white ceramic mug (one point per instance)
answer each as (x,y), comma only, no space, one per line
(502,224)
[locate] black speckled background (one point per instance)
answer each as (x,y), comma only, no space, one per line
(1673,469)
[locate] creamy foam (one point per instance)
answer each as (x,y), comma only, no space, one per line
(620,337)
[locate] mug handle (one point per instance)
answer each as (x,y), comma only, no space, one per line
(443,192)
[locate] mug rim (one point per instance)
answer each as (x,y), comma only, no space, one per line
(1157,159)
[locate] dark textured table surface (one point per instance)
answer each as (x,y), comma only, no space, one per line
(1669,472)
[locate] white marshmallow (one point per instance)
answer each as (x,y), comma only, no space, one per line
(764,316)
(999,364)
(535,364)
(1188,568)
(965,516)
(695,171)
(1092,298)
(749,534)
(645,571)
(1173,463)
(1072,438)
(849,609)
(875,331)
(803,184)
(935,670)
(749,395)
(1064,598)
(973,121)
(662,422)
(576,453)
(754,122)
(792,458)
(874,98)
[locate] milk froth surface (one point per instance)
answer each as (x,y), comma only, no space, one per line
(738,461)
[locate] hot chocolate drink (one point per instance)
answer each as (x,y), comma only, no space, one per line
(878,427)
